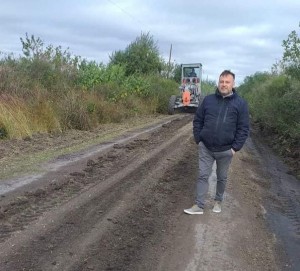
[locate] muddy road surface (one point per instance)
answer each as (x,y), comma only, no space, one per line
(121,208)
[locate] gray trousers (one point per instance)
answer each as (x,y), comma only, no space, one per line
(206,161)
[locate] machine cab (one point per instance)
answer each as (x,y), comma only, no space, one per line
(191,73)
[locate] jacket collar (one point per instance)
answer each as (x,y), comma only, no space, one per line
(229,96)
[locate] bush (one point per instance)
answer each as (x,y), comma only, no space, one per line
(274,102)
(43,116)
(73,112)
(208,87)
(48,90)
(160,92)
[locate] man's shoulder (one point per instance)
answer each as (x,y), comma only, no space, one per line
(240,103)
(240,99)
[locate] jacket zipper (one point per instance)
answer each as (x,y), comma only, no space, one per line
(218,119)
(225,115)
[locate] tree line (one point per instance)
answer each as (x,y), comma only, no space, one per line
(274,100)
(47,89)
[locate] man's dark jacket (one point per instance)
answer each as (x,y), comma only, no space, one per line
(222,123)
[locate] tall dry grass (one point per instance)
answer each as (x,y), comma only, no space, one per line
(14,118)
(19,119)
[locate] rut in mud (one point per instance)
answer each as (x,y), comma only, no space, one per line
(123,210)
(114,206)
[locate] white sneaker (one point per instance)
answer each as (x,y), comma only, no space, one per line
(194,210)
(217,207)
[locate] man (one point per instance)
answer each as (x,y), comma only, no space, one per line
(192,73)
(220,127)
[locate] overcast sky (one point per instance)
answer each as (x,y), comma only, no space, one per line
(244,36)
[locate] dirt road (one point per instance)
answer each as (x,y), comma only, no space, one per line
(121,208)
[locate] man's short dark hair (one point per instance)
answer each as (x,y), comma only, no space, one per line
(227,72)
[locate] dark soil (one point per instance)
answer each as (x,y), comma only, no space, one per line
(286,148)
(122,209)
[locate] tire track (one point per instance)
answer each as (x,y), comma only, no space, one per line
(95,206)
(282,204)
(16,214)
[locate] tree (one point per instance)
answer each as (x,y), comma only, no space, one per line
(290,63)
(49,65)
(141,56)
(32,47)
(177,73)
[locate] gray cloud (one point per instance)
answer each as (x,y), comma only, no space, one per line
(244,36)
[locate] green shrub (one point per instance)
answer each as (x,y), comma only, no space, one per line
(161,90)
(208,87)
(274,102)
